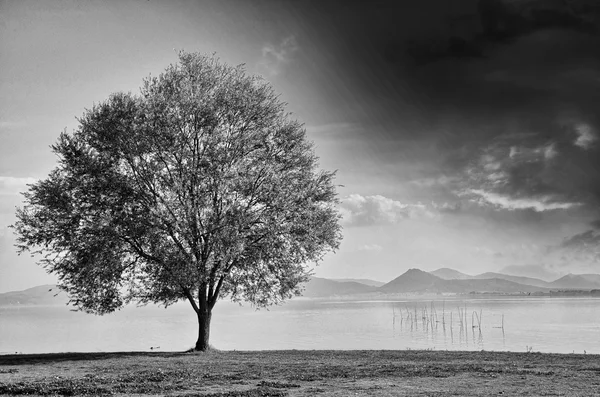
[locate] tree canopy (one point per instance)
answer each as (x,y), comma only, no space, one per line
(200,187)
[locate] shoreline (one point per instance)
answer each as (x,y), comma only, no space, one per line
(301,373)
(93,355)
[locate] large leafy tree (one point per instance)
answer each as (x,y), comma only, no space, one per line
(201,187)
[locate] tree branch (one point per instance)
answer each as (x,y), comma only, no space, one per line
(214,295)
(190,298)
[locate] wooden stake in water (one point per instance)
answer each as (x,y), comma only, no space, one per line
(443,319)
(416,321)
(466,323)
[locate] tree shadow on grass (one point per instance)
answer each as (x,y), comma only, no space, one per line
(47,358)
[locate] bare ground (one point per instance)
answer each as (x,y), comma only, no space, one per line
(302,373)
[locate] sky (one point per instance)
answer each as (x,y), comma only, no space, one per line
(465,133)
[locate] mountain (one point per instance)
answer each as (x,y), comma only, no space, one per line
(450,274)
(533,271)
(42,295)
(571,281)
(322,287)
(488,285)
(365,281)
(577,281)
(592,277)
(536,282)
(415,280)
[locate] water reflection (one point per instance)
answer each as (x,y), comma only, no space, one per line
(460,327)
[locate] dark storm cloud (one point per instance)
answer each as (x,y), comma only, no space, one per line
(580,240)
(532,98)
(503,94)
(500,21)
(583,248)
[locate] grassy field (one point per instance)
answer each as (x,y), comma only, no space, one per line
(302,373)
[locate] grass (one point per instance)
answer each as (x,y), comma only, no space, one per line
(301,373)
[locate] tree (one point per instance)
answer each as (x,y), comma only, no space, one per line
(199,188)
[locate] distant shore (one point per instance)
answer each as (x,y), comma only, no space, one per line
(301,373)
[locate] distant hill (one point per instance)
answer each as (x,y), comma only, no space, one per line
(571,281)
(577,281)
(322,287)
(42,295)
(592,277)
(415,280)
(450,274)
(365,281)
(533,271)
(536,282)
(488,285)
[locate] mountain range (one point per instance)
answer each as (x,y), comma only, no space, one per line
(448,281)
(413,281)
(43,295)
(570,281)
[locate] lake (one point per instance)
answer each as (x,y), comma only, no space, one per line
(561,325)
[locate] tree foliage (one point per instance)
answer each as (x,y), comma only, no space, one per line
(200,187)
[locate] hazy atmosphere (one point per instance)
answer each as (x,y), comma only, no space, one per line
(460,140)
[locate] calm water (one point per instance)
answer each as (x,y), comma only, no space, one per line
(542,324)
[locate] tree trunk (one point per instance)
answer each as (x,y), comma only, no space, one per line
(204,317)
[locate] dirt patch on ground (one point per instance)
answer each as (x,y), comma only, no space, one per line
(302,373)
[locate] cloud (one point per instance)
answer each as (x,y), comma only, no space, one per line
(586,239)
(442,180)
(522,172)
(360,210)
(469,35)
(539,204)
(528,154)
(447,207)
(485,251)
(503,96)
(275,57)
(10,185)
(496,106)
(585,136)
(581,249)
(370,248)
(550,152)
